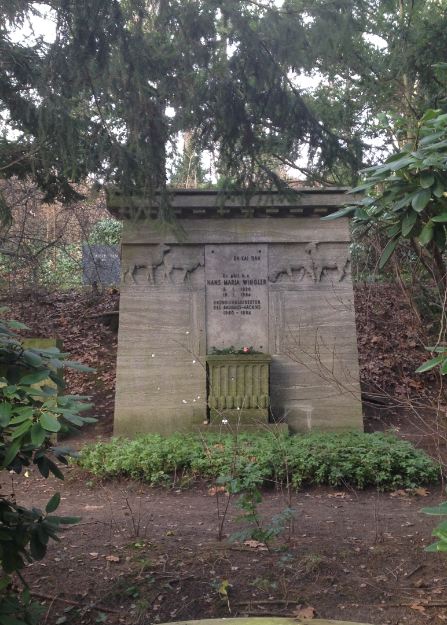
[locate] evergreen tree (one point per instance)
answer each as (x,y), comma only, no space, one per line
(378,68)
(95,102)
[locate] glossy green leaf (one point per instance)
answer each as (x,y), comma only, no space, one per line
(7,619)
(440,218)
(21,429)
(17,325)
(440,510)
(402,162)
(38,549)
(34,378)
(31,358)
(389,249)
(421,199)
(343,212)
(24,415)
(5,413)
(53,503)
(430,364)
(440,237)
(38,435)
(11,452)
(72,364)
(429,113)
(393,230)
(439,189)
(55,469)
(426,234)
(408,223)
(433,548)
(427,179)
(49,422)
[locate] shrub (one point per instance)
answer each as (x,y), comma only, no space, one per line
(350,459)
(32,411)
(106,231)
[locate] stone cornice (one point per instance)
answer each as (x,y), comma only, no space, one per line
(192,203)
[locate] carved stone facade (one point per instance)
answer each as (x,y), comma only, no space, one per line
(278,280)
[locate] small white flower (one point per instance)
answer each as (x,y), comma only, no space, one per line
(187,332)
(184,401)
(152,355)
(238,408)
(198,396)
(225,421)
(194,362)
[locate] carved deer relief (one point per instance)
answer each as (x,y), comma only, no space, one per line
(297,264)
(149,259)
(331,258)
(185,259)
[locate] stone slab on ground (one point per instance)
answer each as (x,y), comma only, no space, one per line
(264,620)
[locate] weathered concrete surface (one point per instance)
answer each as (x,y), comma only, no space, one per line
(264,620)
(166,324)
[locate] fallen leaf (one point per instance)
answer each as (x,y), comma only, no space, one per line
(399,493)
(255,544)
(112,558)
(421,492)
(418,607)
(301,612)
(214,490)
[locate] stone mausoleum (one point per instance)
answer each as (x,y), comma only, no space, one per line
(263,273)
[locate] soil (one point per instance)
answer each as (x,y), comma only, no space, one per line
(143,555)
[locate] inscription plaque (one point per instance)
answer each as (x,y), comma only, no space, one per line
(237,296)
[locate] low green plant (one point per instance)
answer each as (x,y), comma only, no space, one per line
(31,412)
(61,267)
(106,231)
(352,459)
(440,531)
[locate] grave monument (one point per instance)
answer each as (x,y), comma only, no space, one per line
(242,314)
(100,264)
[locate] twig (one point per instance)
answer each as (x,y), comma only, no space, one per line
(418,568)
(269,602)
(262,613)
(41,595)
(172,576)
(424,604)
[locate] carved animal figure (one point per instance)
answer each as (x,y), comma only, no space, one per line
(290,268)
(332,259)
(150,259)
(282,262)
(186,259)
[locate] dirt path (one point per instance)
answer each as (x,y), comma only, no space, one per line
(141,555)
